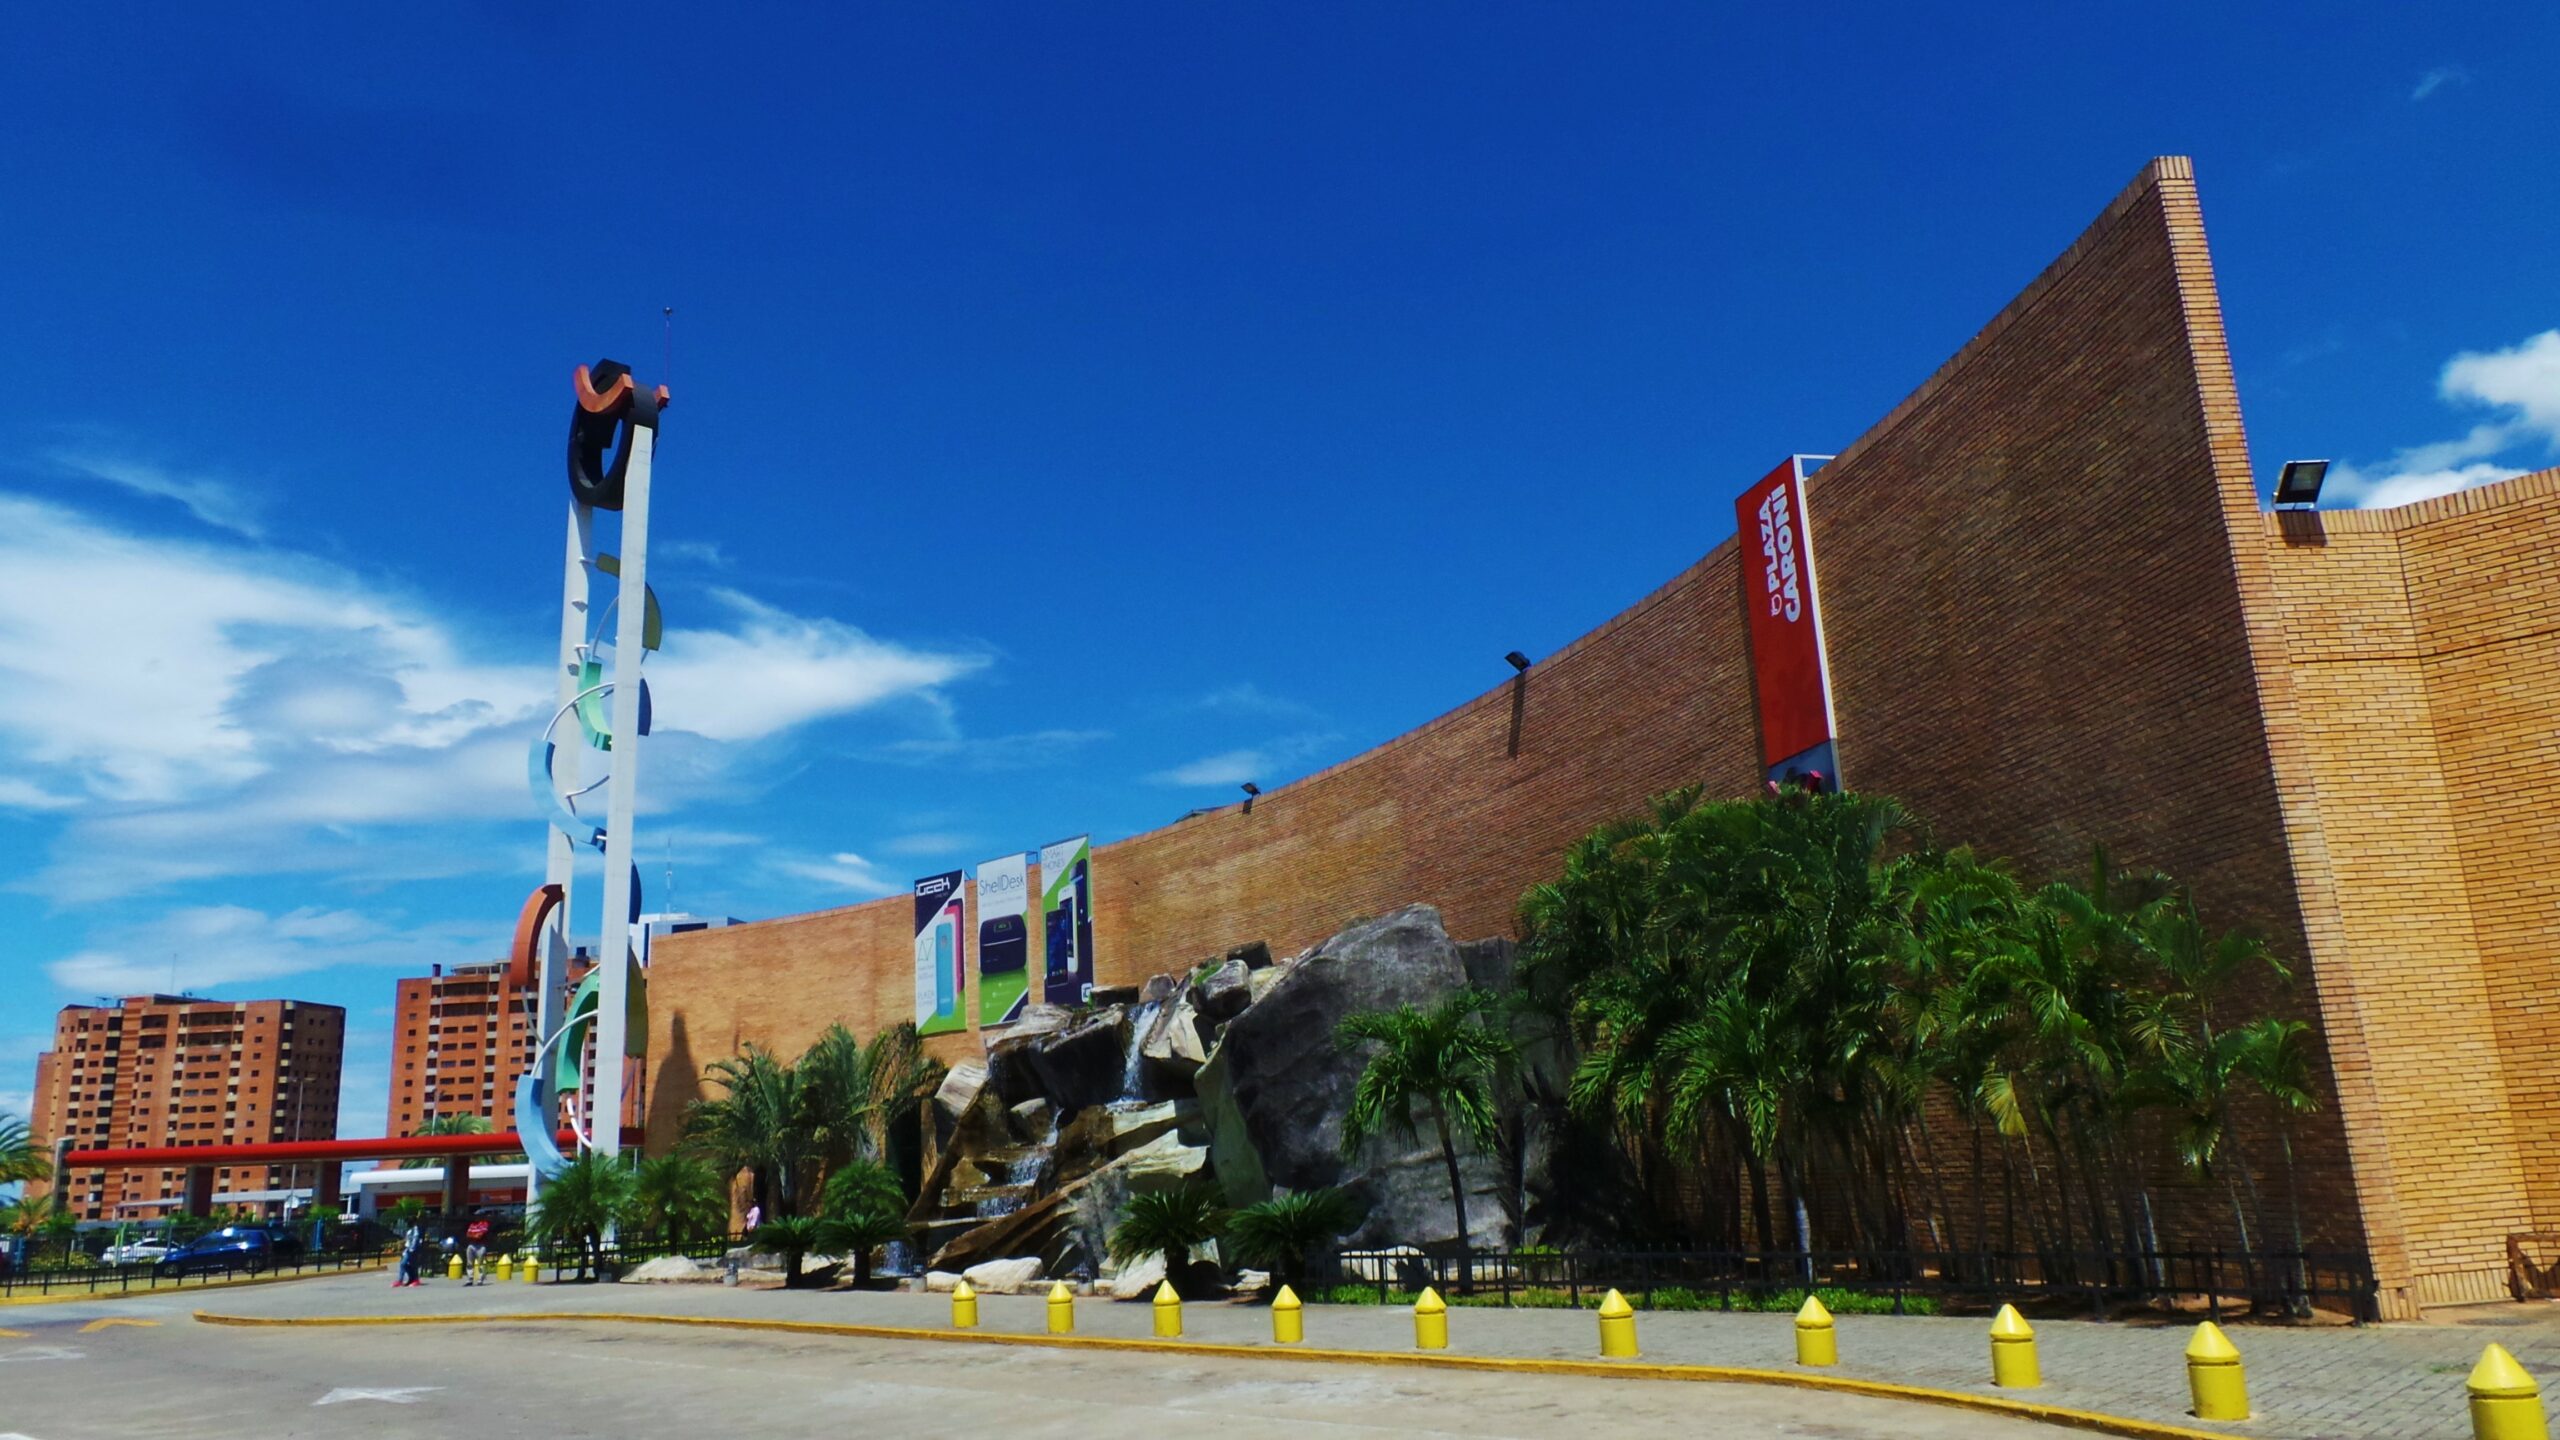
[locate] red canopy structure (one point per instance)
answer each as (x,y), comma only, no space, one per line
(200,1160)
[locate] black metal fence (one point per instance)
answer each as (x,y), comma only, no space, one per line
(100,1279)
(2265,1282)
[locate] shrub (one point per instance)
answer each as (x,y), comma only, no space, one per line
(1170,1223)
(1277,1233)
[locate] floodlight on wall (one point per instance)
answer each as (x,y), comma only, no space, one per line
(1518,660)
(1250,790)
(2298,484)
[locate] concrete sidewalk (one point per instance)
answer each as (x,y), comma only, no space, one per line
(2305,1383)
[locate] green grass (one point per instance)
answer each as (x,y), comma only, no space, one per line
(1663,1298)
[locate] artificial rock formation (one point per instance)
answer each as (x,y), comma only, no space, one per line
(1230,1075)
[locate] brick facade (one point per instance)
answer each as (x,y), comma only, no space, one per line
(155,1070)
(2056,616)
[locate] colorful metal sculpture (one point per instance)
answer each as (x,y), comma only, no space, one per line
(613,430)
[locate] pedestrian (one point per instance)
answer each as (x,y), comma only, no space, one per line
(410,1240)
(475,1249)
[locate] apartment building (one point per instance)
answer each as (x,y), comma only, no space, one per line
(174,1070)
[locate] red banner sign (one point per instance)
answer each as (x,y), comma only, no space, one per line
(1786,632)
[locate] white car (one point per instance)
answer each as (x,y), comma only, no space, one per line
(136,1252)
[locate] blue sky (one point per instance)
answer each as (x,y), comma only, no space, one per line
(1080,409)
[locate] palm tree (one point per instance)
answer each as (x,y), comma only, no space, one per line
(408,1210)
(679,1198)
(591,1195)
(864,1208)
(793,1237)
(1169,1223)
(1443,1060)
(759,1123)
(857,1092)
(1278,1233)
(22,1156)
(463,1124)
(2275,1056)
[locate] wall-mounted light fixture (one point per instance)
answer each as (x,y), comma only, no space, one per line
(2298,484)
(1250,790)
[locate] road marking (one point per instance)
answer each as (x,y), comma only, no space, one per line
(404,1395)
(94,1326)
(15,1335)
(41,1352)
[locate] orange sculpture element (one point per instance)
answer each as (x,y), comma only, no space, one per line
(522,963)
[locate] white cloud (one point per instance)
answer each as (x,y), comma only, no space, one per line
(218,503)
(17,794)
(364,1082)
(1232,767)
(843,870)
(197,709)
(1026,751)
(18,1066)
(927,842)
(694,552)
(1267,764)
(206,947)
(2438,78)
(779,670)
(1251,699)
(2522,382)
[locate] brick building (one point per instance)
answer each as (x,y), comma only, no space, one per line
(171,1070)
(2056,614)
(459,1039)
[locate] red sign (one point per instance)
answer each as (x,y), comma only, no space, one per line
(1786,633)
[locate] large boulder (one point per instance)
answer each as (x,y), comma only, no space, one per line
(1221,994)
(1281,1085)
(960,1087)
(1009,1067)
(1004,1277)
(1083,1065)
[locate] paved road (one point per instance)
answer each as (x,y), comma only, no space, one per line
(2397,1381)
(570,1382)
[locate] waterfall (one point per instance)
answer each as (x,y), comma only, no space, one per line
(1132,1079)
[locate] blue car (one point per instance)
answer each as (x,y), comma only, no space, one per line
(233,1248)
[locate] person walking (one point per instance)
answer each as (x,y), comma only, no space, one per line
(410,1241)
(475,1249)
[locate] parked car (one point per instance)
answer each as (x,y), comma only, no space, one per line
(146,1251)
(230,1248)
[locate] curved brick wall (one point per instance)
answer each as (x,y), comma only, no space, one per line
(2055,617)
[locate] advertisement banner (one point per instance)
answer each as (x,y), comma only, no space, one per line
(942,961)
(1066,913)
(1787,664)
(1004,940)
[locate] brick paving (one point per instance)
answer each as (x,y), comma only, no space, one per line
(2403,1381)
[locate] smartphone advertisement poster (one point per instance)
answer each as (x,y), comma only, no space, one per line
(1004,940)
(942,958)
(1066,914)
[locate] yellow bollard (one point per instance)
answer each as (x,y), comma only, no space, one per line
(2013,1351)
(1817,1342)
(2214,1375)
(1062,1309)
(1168,1312)
(964,1307)
(1617,1327)
(2506,1404)
(506,1267)
(532,1267)
(1288,1318)
(1430,1320)
(453,1266)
